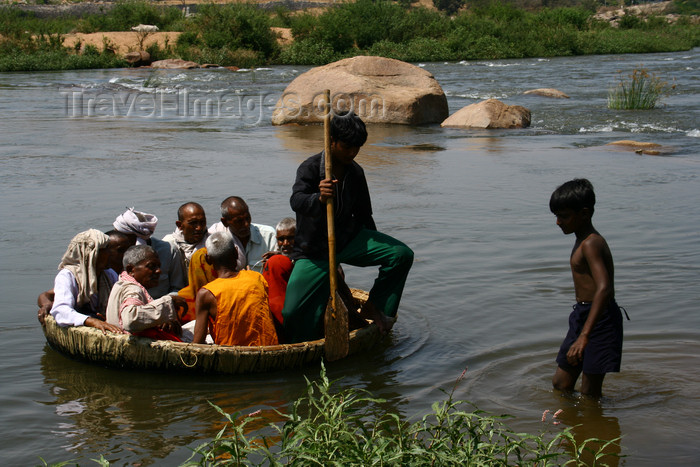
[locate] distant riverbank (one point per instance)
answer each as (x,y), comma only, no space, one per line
(98,35)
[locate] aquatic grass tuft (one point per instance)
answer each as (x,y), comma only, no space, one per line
(640,91)
(350,427)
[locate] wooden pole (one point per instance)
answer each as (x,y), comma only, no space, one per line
(336,317)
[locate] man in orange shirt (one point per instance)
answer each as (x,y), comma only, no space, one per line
(234,307)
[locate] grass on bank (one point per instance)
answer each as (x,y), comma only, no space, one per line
(239,34)
(638,91)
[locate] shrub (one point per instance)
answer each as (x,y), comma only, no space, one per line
(449,6)
(128,13)
(308,52)
(236,26)
(687,7)
(630,21)
(419,49)
(58,60)
(640,91)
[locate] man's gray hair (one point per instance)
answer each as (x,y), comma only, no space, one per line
(287,223)
(220,245)
(137,253)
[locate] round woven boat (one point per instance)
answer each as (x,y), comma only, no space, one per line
(128,351)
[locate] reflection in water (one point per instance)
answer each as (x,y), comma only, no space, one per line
(588,420)
(119,414)
(130,416)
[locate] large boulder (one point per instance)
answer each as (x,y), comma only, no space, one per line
(490,113)
(378,89)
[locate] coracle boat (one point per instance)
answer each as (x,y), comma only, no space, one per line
(128,351)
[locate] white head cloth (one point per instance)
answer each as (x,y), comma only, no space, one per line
(137,223)
(81,259)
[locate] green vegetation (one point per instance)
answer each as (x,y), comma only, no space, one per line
(640,91)
(239,34)
(351,428)
(235,34)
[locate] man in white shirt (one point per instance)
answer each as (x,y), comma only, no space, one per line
(255,239)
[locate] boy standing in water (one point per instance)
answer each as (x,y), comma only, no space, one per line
(593,344)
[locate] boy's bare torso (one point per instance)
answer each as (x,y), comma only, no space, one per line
(584,283)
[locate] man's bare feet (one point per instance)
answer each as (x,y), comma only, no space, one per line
(370,312)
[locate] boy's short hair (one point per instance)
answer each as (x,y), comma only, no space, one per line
(575,194)
(349,129)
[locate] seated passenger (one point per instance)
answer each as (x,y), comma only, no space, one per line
(233,307)
(131,307)
(278,267)
(253,239)
(118,244)
(191,232)
(199,273)
(141,226)
(83,283)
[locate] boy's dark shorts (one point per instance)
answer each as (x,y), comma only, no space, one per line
(604,350)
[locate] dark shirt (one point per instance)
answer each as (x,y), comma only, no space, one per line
(353,209)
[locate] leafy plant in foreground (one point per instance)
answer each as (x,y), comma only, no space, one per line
(351,428)
(640,91)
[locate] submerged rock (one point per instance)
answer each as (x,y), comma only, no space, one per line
(174,63)
(490,113)
(640,147)
(378,89)
(547,92)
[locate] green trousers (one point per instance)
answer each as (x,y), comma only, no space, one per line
(309,286)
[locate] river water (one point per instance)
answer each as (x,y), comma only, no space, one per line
(490,288)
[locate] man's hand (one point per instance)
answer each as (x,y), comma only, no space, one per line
(173,327)
(575,354)
(103,326)
(43,313)
(327,189)
(179,302)
(45,302)
(269,255)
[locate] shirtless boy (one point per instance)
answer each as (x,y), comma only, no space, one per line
(593,345)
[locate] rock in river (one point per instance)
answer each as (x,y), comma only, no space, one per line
(490,113)
(174,63)
(547,92)
(378,89)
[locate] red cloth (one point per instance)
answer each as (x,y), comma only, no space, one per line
(276,272)
(158,334)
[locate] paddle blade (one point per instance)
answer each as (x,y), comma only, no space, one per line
(337,345)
